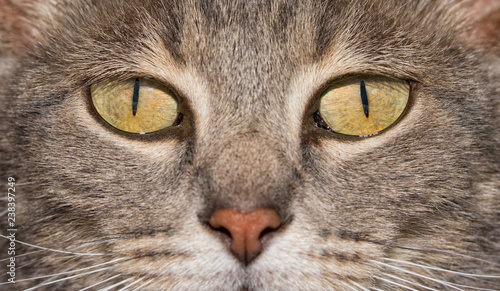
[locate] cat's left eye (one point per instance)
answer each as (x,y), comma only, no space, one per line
(135,105)
(363,106)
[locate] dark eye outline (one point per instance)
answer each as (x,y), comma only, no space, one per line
(319,122)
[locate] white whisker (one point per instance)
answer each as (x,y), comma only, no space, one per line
(96,243)
(66,278)
(426,249)
(43,250)
(53,250)
(359,286)
(98,283)
(394,283)
(117,284)
(3,212)
(131,284)
(470,287)
(411,282)
(25,183)
(68,272)
(24,265)
(55,276)
(139,288)
(442,270)
(21,255)
(451,285)
(431,273)
(347,285)
(418,275)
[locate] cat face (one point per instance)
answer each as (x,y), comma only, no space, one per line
(160,145)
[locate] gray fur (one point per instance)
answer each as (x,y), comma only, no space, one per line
(248,75)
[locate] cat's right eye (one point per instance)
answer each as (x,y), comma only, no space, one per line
(135,105)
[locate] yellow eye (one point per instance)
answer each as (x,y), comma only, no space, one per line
(364,106)
(135,105)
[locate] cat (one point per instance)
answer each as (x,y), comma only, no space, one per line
(250,145)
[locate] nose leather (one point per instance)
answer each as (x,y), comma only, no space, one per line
(246,229)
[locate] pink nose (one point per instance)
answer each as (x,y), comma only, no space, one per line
(246,229)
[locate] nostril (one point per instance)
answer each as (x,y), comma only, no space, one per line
(265,232)
(222,230)
(245,230)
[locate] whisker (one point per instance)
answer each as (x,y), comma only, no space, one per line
(55,276)
(34,252)
(411,282)
(96,243)
(68,272)
(38,260)
(451,285)
(416,274)
(27,264)
(359,286)
(486,282)
(394,283)
(443,270)
(426,249)
(131,284)
(21,255)
(53,250)
(32,262)
(347,285)
(98,283)
(4,212)
(139,288)
(26,183)
(429,271)
(117,284)
(66,278)
(471,287)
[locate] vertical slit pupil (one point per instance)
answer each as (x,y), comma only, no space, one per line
(364,98)
(135,98)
